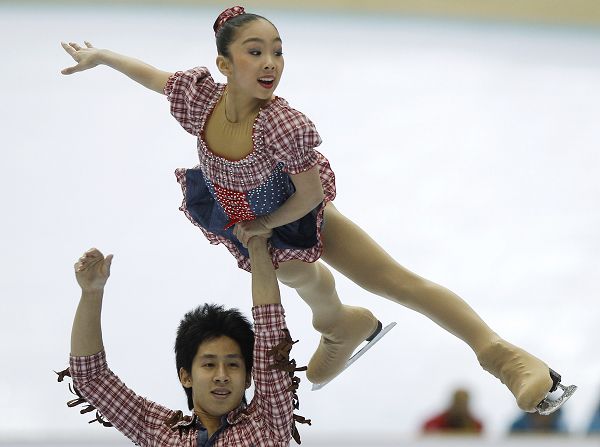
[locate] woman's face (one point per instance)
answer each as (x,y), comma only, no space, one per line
(255,61)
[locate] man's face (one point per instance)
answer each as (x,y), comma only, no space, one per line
(218,378)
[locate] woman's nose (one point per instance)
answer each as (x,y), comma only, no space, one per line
(269,64)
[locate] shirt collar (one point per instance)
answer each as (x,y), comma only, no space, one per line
(238,415)
(232,418)
(187,422)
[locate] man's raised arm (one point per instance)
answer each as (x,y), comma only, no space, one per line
(265,288)
(91,270)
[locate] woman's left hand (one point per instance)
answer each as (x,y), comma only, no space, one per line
(245,230)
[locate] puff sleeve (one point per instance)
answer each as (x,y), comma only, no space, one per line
(190,93)
(292,138)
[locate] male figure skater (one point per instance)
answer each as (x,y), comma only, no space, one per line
(217,355)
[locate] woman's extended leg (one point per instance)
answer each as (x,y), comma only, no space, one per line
(353,253)
(343,327)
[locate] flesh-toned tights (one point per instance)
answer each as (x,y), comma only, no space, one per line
(352,252)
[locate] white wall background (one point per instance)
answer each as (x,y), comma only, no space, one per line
(469,151)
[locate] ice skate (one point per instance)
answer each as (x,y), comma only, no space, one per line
(375,337)
(339,340)
(550,405)
(528,378)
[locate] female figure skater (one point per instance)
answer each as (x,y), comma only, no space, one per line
(259,172)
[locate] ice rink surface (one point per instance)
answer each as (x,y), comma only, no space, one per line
(469,151)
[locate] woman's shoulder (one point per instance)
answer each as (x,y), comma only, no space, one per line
(282,116)
(193,79)
(287,129)
(197,73)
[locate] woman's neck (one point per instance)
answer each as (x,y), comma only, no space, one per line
(239,107)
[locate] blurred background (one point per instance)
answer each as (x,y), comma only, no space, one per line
(464,136)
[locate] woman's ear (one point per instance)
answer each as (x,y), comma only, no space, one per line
(224,65)
(185,378)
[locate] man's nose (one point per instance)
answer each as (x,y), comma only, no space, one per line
(221,374)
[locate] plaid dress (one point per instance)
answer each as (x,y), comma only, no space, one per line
(219,192)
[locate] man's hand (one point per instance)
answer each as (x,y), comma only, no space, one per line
(244,231)
(92,270)
(86,58)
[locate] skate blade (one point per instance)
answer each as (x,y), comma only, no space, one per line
(357,355)
(548,406)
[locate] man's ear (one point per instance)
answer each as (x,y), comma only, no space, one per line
(224,65)
(185,377)
(248,380)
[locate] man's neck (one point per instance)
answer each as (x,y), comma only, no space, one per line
(210,422)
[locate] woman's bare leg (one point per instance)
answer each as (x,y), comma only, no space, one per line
(343,327)
(353,253)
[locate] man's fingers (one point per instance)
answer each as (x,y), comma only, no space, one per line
(108,262)
(88,44)
(86,263)
(88,259)
(91,262)
(93,253)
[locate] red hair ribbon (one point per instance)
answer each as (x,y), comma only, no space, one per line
(229,13)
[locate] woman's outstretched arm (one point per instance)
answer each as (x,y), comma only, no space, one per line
(89,57)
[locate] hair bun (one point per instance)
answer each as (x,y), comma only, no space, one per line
(229,13)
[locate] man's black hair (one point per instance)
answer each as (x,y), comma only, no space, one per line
(208,322)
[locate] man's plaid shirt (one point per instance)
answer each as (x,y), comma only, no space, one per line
(267,421)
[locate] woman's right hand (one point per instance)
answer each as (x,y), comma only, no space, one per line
(86,58)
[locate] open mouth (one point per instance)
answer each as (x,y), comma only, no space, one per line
(266,82)
(221,394)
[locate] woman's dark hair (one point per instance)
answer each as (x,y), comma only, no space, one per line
(208,322)
(226,33)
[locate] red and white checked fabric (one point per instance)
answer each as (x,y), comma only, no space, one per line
(266,422)
(229,13)
(280,134)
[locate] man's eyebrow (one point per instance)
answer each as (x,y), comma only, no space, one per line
(259,40)
(214,356)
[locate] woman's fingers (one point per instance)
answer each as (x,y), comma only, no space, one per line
(239,233)
(68,48)
(72,49)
